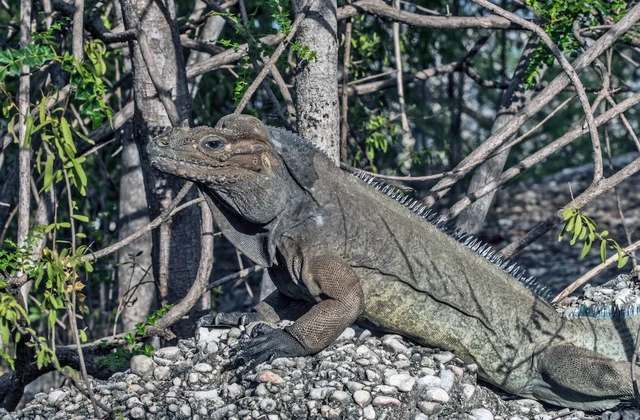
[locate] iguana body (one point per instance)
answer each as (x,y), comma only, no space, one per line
(340,251)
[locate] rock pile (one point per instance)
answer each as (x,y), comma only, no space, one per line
(360,376)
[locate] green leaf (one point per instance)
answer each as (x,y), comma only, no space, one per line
(48,173)
(81,217)
(66,135)
(5,57)
(622,260)
(11,129)
(568,213)
(562,232)
(603,251)
(583,233)
(585,249)
(578,225)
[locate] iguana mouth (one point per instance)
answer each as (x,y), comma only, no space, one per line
(190,170)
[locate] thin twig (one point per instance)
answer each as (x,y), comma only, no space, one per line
(568,69)
(407,138)
(535,127)
(242,273)
(403,178)
(274,57)
(594,272)
(589,194)
(498,138)
(165,215)
(344,122)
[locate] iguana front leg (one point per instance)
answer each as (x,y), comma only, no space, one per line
(340,301)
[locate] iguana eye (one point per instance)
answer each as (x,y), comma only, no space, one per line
(213,143)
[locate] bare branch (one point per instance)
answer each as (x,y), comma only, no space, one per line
(201,281)
(425,74)
(571,73)
(274,57)
(538,156)
(227,57)
(165,215)
(589,194)
(381,9)
(497,139)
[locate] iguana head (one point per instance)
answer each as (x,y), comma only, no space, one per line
(236,149)
(235,161)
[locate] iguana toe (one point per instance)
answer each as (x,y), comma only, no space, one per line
(266,344)
(231,319)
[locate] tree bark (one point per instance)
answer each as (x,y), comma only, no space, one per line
(513,101)
(134,259)
(176,249)
(210,32)
(317,111)
(133,214)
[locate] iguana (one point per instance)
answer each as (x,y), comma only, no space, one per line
(344,249)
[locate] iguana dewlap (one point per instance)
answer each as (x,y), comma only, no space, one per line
(341,251)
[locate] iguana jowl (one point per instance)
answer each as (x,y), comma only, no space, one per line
(340,251)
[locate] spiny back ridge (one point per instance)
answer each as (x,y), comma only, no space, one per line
(450,228)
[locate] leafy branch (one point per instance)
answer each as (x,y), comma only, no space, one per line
(585,229)
(559,16)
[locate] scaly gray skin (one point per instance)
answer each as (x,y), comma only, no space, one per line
(340,251)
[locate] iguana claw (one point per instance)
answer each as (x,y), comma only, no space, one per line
(266,344)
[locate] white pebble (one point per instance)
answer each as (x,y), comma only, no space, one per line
(481,414)
(437,395)
(428,381)
(362,398)
(369,413)
(447,378)
(382,400)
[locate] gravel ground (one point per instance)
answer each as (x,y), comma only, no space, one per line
(360,376)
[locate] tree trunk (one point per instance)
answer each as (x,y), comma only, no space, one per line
(513,100)
(317,112)
(176,245)
(135,280)
(210,33)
